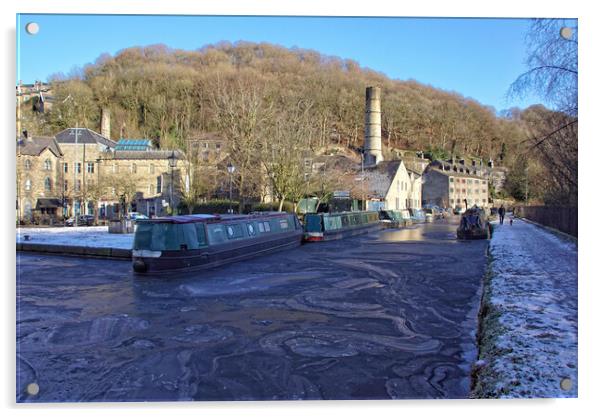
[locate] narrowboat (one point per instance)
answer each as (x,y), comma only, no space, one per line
(474,225)
(417,215)
(193,242)
(395,218)
(331,226)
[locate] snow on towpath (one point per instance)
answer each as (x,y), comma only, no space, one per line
(93,236)
(530,335)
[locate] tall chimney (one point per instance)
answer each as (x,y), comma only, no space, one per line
(372,140)
(105,123)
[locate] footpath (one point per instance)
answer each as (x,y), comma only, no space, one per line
(528,335)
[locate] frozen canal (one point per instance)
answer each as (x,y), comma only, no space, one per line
(392,314)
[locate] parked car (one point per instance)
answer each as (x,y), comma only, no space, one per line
(136,216)
(83,220)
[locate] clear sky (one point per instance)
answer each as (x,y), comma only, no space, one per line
(477,58)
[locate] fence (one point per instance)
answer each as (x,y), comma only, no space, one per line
(557,217)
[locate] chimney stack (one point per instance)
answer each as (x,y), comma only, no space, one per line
(490,163)
(105,123)
(372,139)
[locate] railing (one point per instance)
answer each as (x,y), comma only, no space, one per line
(563,218)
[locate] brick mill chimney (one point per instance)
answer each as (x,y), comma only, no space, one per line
(372,136)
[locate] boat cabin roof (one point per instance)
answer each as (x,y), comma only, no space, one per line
(213,218)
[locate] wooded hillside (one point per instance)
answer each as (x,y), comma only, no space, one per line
(271,93)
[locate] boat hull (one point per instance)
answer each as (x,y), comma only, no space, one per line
(171,262)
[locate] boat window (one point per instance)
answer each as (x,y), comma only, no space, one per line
(283,224)
(216,233)
(234,231)
(251,229)
(200,234)
(260,226)
(143,236)
(190,237)
(266,225)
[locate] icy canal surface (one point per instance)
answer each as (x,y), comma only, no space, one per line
(534,289)
(90,236)
(392,314)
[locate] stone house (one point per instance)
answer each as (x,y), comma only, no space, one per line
(38,186)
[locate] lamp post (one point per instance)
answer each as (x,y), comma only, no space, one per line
(231,169)
(172,164)
(362,151)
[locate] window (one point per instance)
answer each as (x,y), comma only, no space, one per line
(27,185)
(218,146)
(251,229)
(266,226)
(159,185)
(78,167)
(47,165)
(78,185)
(65,167)
(47,184)
(151,168)
(234,231)
(27,164)
(260,227)
(134,168)
(463,181)
(451,179)
(90,167)
(451,190)
(65,185)
(200,234)
(283,224)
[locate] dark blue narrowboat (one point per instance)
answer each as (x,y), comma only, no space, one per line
(183,243)
(395,218)
(331,226)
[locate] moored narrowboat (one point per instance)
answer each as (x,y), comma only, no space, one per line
(183,243)
(331,226)
(395,218)
(474,225)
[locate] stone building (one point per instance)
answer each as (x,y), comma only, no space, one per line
(83,150)
(449,184)
(82,172)
(38,186)
(158,176)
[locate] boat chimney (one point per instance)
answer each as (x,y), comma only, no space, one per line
(372,131)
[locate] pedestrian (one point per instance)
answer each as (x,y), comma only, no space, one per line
(502,212)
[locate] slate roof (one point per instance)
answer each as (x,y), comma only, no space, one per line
(84,135)
(380,177)
(34,146)
(156,154)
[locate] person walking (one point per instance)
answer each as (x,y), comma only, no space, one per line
(502,212)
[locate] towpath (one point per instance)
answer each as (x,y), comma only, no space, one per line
(531,343)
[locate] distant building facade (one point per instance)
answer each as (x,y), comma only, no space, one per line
(450,184)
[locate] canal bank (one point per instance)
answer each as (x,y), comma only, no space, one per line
(528,320)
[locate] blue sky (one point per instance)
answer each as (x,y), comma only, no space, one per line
(477,58)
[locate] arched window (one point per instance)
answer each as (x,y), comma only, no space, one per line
(47,184)
(47,165)
(27,185)
(27,164)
